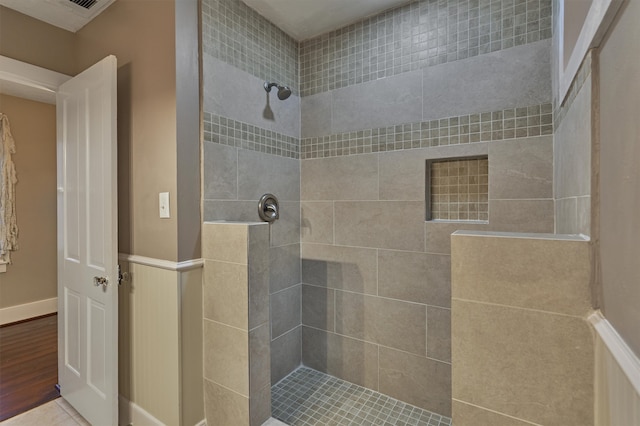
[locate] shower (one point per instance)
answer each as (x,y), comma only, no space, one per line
(283,91)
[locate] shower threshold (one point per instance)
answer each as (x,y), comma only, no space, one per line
(308,397)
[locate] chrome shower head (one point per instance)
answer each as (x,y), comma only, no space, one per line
(283,91)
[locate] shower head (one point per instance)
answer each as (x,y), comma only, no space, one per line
(283,91)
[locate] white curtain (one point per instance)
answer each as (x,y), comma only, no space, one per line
(8,180)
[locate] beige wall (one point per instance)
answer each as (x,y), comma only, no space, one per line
(32,276)
(35,42)
(620,174)
(141,35)
(158,137)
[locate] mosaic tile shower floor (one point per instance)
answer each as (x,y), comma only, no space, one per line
(308,397)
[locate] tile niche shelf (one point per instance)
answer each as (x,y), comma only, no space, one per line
(457,189)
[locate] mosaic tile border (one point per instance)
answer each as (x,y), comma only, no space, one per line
(240,36)
(422,33)
(536,120)
(581,77)
(226,131)
(308,397)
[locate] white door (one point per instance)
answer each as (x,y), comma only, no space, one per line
(87,243)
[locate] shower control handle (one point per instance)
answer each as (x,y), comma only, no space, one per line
(268,209)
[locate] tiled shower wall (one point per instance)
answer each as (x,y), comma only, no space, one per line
(434,79)
(251,148)
(423,33)
(376,276)
(573,140)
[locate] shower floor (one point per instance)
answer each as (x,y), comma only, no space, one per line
(308,397)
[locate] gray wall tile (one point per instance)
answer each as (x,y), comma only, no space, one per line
(266,51)
(415,277)
(259,359)
(286,230)
(521,168)
(251,103)
(516,77)
(220,171)
(402,175)
(392,323)
(566,212)
(285,354)
(340,178)
(284,267)
(315,115)
(230,210)
(260,406)
(439,333)
(438,234)
(584,215)
(385,224)
(348,359)
(260,173)
(397,42)
(285,310)
(572,148)
(521,215)
(417,380)
(317,222)
(345,268)
(318,307)
(258,274)
(378,103)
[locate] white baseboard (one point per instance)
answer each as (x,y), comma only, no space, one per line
(28,310)
(132,414)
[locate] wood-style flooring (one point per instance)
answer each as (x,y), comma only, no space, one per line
(28,365)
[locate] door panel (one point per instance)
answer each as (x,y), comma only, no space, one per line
(87,243)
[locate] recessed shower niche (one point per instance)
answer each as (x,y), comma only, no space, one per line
(457,189)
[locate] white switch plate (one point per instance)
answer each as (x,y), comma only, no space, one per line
(164,205)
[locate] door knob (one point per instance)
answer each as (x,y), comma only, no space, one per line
(101,281)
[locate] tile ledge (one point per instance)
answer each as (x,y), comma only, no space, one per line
(233,222)
(524,235)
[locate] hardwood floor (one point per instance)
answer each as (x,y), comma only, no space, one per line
(28,365)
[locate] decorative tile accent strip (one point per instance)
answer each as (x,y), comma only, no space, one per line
(422,33)
(512,123)
(460,189)
(307,397)
(240,36)
(230,132)
(581,76)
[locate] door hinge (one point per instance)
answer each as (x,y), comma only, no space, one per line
(122,276)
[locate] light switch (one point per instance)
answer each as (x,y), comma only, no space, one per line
(164,205)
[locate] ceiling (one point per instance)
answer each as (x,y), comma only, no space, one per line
(70,15)
(303,19)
